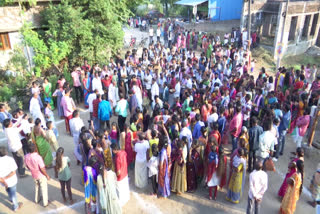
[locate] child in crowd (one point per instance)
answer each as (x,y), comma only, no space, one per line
(51,137)
(48,113)
(114,134)
(212,178)
(153,164)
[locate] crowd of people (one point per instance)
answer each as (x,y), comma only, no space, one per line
(177,111)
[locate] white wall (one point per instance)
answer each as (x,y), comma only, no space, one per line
(15,40)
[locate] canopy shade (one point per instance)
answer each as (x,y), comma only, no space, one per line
(190,2)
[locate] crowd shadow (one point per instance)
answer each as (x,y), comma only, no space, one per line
(4,199)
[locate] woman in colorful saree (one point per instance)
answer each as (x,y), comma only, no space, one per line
(108,198)
(39,139)
(292,168)
(86,85)
(47,94)
(289,201)
(194,167)
(163,177)
(90,186)
(237,178)
(179,176)
(96,152)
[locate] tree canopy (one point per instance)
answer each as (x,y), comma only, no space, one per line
(77,30)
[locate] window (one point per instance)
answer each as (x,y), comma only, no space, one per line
(314,24)
(4,41)
(305,30)
(293,26)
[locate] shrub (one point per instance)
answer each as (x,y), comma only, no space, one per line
(6,93)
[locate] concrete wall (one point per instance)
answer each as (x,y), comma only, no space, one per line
(278,7)
(11,20)
(225,9)
(300,10)
(15,40)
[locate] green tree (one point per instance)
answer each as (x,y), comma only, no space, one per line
(48,53)
(91,28)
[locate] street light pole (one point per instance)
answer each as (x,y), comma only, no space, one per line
(282,33)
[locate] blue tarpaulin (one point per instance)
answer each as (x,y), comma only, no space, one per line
(190,2)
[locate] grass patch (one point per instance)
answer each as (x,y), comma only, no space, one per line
(298,60)
(264,59)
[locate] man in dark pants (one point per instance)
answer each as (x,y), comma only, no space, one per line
(14,144)
(8,177)
(254,133)
(283,127)
(258,184)
(77,84)
(122,109)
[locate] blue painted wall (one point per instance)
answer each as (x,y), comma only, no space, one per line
(225,9)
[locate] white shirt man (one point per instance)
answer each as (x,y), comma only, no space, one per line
(14,144)
(13,135)
(35,110)
(157,101)
(151,32)
(177,89)
(189,83)
(112,94)
(96,84)
(76,123)
(91,97)
(141,176)
(266,144)
(258,184)
(148,81)
(158,32)
(8,165)
(154,90)
(185,132)
(246,109)
(213,118)
(137,92)
(161,82)
(25,127)
(8,177)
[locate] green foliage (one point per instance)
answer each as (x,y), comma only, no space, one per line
(18,61)
(133,5)
(47,52)
(179,10)
(9,2)
(142,10)
(92,29)
(157,4)
(298,60)
(12,86)
(5,93)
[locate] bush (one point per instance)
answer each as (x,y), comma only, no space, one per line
(6,93)
(18,61)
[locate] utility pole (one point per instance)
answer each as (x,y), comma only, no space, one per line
(249,24)
(284,15)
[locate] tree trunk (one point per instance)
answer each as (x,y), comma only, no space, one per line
(166,4)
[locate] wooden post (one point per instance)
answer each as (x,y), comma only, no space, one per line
(313,128)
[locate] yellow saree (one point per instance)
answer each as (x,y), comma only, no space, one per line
(289,201)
